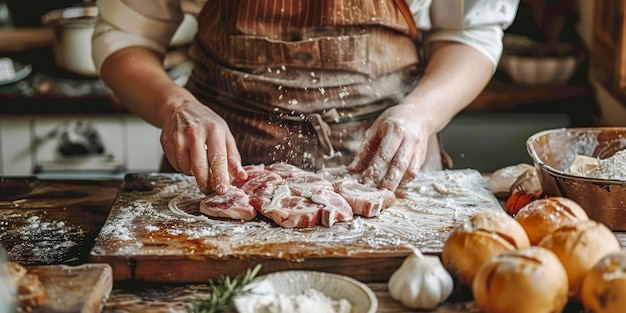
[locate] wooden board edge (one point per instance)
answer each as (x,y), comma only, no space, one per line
(100,291)
(95,301)
(177,270)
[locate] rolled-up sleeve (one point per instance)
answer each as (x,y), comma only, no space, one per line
(125,23)
(476,23)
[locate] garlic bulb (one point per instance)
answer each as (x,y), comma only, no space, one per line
(421,282)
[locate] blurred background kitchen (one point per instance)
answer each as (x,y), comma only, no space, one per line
(563,66)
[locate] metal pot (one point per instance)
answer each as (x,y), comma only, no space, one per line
(73,28)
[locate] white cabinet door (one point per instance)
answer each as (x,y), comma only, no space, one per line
(15,148)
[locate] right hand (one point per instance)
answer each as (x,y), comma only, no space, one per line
(198,142)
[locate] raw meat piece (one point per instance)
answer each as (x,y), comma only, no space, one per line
(257,184)
(335,207)
(307,184)
(293,197)
(365,200)
(264,201)
(252,171)
(286,170)
(363,195)
(233,204)
(291,211)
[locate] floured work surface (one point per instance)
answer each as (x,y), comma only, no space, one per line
(156,233)
(72,289)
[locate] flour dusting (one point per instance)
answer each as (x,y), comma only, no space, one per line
(41,241)
(165,220)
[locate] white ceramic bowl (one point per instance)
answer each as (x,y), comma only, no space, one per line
(296,282)
(539,70)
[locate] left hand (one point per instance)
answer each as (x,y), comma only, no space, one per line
(394,148)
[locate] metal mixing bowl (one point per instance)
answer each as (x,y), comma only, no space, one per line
(553,151)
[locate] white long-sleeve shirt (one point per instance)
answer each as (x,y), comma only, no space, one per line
(476,23)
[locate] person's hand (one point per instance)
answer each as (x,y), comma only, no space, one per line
(198,142)
(394,148)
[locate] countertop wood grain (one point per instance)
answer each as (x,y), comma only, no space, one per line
(63,217)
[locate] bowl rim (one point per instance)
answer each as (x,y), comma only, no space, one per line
(562,174)
(373,307)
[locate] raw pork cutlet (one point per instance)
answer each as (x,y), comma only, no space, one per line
(365,198)
(307,184)
(290,209)
(335,207)
(234,204)
(286,170)
(314,187)
(286,194)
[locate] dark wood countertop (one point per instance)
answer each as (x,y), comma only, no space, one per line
(50,222)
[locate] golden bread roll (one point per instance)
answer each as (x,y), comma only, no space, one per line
(580,247)
(530,280)
(16,271)
(31,292)
(543,216)
(473,242)
(604,286)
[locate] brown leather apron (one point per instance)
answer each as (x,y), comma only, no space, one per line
(301,81)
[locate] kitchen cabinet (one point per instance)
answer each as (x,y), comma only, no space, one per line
(608,51)
(93,146)
(57,125)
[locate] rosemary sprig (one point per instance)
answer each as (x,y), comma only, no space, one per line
(222,292)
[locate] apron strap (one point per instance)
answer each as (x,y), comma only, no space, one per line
(323,132)
(406,12)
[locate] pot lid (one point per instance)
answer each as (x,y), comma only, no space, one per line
(79,15)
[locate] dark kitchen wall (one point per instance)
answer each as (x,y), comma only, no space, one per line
(28,13)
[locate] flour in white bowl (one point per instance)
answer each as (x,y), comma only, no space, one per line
(310,301)
(263,298)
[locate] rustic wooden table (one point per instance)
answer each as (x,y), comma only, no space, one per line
(53,222)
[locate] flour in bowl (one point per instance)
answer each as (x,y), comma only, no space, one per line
(611,168)
(263,298)
(310,301)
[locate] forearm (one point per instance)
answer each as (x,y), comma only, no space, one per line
(454,76)
(138,80)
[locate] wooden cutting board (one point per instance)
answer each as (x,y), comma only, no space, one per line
(155,233)
(72,289)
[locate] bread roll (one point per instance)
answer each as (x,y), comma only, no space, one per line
(530,280)
(579,247)
(31,293)
(16,271)
(473,242)
(543,216)
(604,286)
